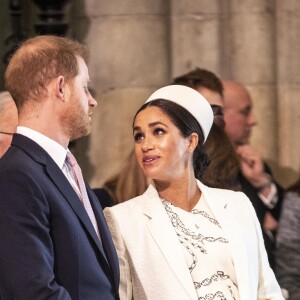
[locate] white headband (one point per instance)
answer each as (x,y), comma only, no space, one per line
(189,99)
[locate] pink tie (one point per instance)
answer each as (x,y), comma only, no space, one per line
(76,172)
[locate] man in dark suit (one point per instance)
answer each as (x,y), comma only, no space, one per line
(55,243)
(255,176)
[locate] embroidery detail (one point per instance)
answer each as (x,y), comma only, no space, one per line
(177,223)
(196,244)
(231,292)
(205,215)
(215,277)
(218,294)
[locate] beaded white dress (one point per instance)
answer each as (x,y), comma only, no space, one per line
(206,251)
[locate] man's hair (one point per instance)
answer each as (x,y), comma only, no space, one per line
(38,61)
(200,78)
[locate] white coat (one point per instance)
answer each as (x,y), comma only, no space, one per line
(152,263)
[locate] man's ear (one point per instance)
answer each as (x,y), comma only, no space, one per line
(60,85)
(193,140)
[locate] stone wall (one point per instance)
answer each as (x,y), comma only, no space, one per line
(139,45)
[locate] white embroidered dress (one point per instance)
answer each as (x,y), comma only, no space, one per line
(206,251)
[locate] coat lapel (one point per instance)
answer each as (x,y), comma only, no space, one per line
(107,242)
(72,198)
(165,237)
(104,246)
(223,210)
(61,182)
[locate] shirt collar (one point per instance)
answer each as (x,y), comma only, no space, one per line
(55,150)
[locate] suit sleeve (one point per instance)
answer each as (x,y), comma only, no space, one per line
(26,250)
(276,210)
(268,288)
(125,288)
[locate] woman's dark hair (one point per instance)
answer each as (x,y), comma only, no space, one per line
(223,170)
(187,124)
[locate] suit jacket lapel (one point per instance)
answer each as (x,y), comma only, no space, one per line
(59,179)
(72,198)
(105,246)
(164,235)
(225,213)
(107,242)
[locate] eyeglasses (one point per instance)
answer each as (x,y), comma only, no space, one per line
(3,132)
(218,115)
(217,110)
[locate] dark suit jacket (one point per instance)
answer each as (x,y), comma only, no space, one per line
(48,246)
(261,209)
(259,206)
(104,197)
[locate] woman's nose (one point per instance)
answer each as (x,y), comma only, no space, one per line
(147,144)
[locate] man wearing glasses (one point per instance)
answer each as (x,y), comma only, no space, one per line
(208,85)
(223,169)
(253,177)
(8,121)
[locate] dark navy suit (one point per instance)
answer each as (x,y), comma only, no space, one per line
(261,209)
(48,246)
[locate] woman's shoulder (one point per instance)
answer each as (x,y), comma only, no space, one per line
(127,214)
(237,198)
(133,205)
(224,192)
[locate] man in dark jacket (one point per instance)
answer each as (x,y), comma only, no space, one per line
(55,243)
(255,176)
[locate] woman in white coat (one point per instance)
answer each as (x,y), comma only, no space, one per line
(182,240)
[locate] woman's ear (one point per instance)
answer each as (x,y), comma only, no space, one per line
(60,87)
(193,140)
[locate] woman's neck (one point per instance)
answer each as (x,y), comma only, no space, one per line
(183,193)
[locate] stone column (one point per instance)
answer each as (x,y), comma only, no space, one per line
(139,45)
(128,41)
(251,60)
(196,39)
(288,80)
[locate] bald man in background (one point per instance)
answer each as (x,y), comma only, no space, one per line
(255,177)
(8,121)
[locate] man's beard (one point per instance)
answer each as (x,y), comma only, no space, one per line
(76,122)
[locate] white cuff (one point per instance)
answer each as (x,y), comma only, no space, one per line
(272,198)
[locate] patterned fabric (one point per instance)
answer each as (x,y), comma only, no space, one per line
(206,251)
(288,246)
(77,175)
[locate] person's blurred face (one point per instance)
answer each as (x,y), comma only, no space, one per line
(238,114)
(211,96)
(217,104)
(77,117)
(160,148)
(8,126)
